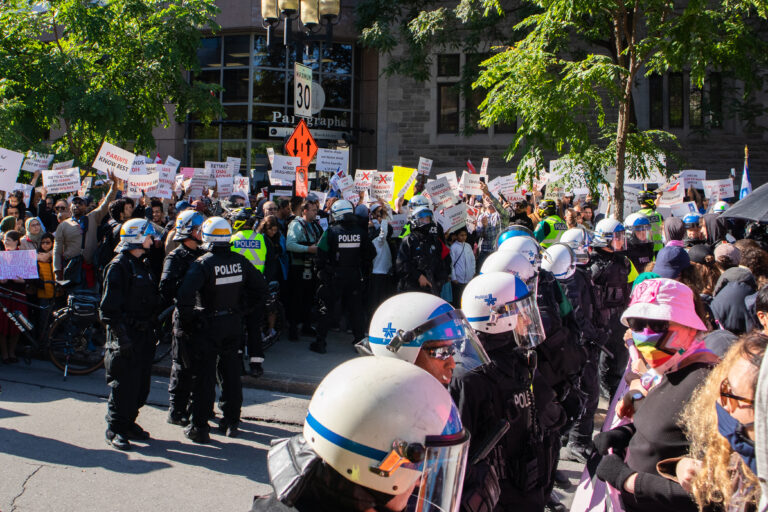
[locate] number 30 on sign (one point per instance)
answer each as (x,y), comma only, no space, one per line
(302,95)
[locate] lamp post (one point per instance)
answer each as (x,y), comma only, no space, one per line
(313,14)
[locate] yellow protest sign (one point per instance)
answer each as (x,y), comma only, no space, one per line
(405,178)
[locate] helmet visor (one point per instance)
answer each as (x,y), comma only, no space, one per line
(149,230)
(618,242)
(443,473)
(642,232)
(523,316)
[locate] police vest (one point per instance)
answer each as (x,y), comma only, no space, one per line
(657,226)
(557,227)
(251,245)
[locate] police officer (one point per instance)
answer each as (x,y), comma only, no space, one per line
(551,228)
(344,256)
(518,467)
(693,234)
(423,261)
(128,308)
(226,286)
(252,245)
(187,231)
(647,200)
(640,242)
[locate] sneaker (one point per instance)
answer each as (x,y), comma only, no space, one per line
(256,370)
(119,441)
(233,429)
(177,419)
(317,346)
(197,435)
(271,334)
(561,480)
(578,452)
(136,433)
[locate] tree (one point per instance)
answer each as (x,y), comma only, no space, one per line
(567,74)
(78,72)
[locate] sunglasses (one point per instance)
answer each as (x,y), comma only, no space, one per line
(441,353)
(638,324)
(731,401)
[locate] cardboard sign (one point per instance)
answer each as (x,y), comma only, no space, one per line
(271,155)
(716,190)
(234,165)
(331,160)
(197,183)
(470,184)
(146,183)
(425,165)
(398,222)
(284,168)
(178,184)
(37,162)
(27,190)
(321,197)
(218,169)
(242,187)
(63,181)
(363,180)
(693,178)
(484,167)
(672,194)
(441,193)
(225,187)
(63,165)
(631,204)
(404,180)
(681,210)
(383,185)
(18,264)
(166,181)
(455,217)
(172,163)
(113,160)
(85,186)
(453,181)
(10,164)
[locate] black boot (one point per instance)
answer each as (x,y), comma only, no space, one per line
(197,435)
(117,440)
(318,346)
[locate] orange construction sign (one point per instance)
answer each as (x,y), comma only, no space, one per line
(301,144)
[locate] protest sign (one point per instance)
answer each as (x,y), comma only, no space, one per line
(383,185)
(718,189)
(472,214)
(452,179)
(241,187)
(178,184)
(26,190)
(234,165)
(347,188)
(225,186)
(166,181)
(681,210)
(455,217)
(321,196)
(284,168)
(36,161)
(331,160)
(62,181)
(198,182)
(18,264)
(363,180)
(276,182)
(187,172)
(302,181)
(441,193)
(219,169)
(397,222)
(172,163)
(425,165)
(113,160)
(10,164)
(404,180)
(63,165)
(693,178)
(470,184)
(672,194)
(271,155)
(139,167)
(484,167)
(85,186)
(631,205)
(494,186)
(508,187)
(139,183)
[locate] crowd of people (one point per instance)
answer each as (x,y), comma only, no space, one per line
(507,334)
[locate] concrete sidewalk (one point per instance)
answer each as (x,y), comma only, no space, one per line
(290,367)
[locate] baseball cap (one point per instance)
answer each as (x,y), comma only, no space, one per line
(671,261)
(728,251)
(663,299)
(698,253)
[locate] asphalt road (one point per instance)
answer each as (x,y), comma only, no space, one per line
(53,456)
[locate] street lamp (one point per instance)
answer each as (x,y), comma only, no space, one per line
(314,14)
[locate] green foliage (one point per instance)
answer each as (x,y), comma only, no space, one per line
(89,70)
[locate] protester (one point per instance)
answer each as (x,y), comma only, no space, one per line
(462,265)
(303,235)
(380,233)
(34,232)
(9,333)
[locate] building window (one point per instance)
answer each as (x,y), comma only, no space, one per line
(448,108)
(672,105)
(448,65)
(675,100)
(656,101)
(716,100)
(695,107)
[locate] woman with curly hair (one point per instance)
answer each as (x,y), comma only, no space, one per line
(719,421)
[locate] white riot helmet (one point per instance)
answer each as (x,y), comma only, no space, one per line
(186,222)
(610,233)
(216,232)
(560,260)
(512,263)
(720,207)
(578,239)
(497,303)
(404,323)
(341,208)
(637,224)
(526,246)
(133,232)
(420,210)
(387,425)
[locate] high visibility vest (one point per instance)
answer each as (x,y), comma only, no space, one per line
(557,227)
(251,245)
(657,227)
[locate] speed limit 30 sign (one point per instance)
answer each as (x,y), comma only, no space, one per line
(302,94)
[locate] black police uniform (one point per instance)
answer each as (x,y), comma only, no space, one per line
(220,287)
(175,267)
(610,272)
(421,252)
(639,253)
(344,256)
(128,307)
(518,472)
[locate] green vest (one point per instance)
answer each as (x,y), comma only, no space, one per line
(557,227)
(251,245)
(657,226)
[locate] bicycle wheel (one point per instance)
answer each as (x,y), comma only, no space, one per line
(164,336)
(267,340)
(76,343)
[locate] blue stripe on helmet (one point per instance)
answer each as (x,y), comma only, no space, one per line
(387,341)
(444,308)
(478,318)
(343,442)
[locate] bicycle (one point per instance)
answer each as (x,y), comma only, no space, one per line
(273,313)
(72,337)
(164,334)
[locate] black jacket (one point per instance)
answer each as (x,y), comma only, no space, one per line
(344,252)
(130,294)
(421,252)
(580,291)
(175,267)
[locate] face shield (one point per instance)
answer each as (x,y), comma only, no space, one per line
(150,231)
(580,253)
(619,241)
(642,233)
(523,315)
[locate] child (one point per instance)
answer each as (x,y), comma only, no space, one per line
(463,265)
(9,333)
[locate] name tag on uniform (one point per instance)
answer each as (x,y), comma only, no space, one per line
(559,226)
(247,244)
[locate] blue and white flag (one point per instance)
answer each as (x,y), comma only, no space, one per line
(746,184)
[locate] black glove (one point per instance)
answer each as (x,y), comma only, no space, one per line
(613,470)
(125,349)
(617,438)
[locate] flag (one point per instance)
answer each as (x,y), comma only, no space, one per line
(158,160)
(471,167)
(746,184)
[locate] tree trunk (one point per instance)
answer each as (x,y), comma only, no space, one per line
(622,130)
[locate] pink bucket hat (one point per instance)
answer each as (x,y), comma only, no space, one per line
(663,299)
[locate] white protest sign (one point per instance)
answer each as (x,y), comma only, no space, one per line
(681,210)
(85,186)
(18,264)
(63,165)
(508,187)
(27,190)
(242,187)
(693,178)
(363,179)
(321,196)
(225,186)
(425,165)
(718,189)
(494,186)
(172,163)
(284,168)
(456,217)
(276,182)
(346,185)
(404,188)
(383,185)
(139,167)
(113,160)
(198,182)
(139,183)
(631,204)
(178,184)
(453,181)
(166,181)
(672,194)
(398,222)
(271,155)
(484,167)
(62,181)
(331,160)
(219,169)
(441,193)
(470,184)
(10,164)
(37,161)
(472,214)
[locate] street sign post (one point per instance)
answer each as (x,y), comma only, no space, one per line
(302,95)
